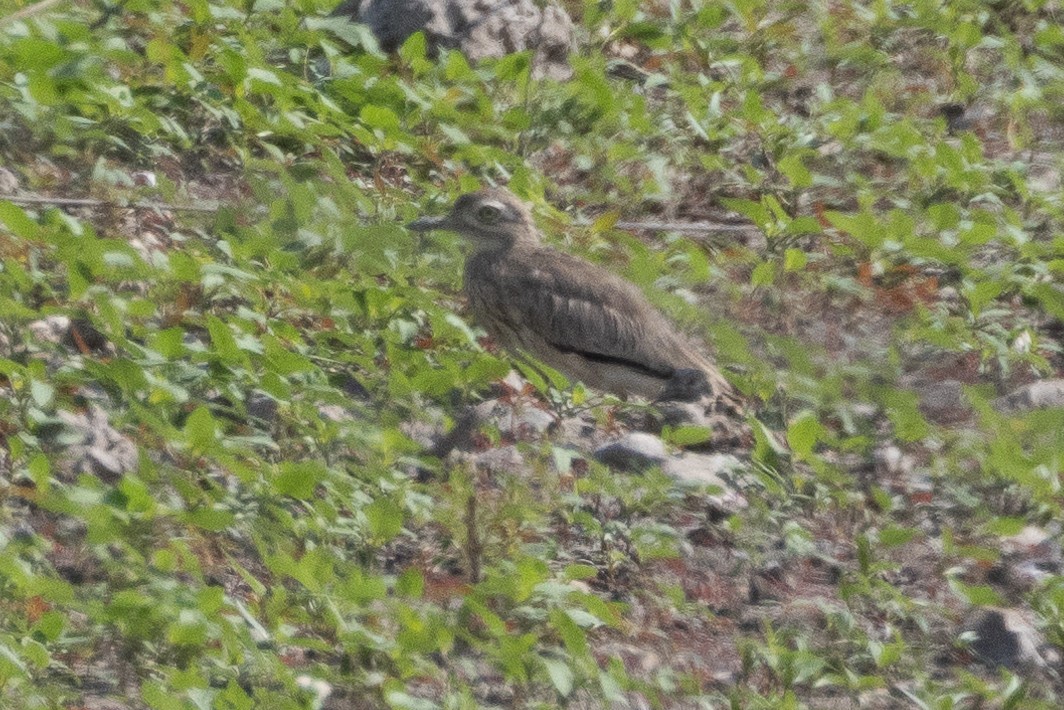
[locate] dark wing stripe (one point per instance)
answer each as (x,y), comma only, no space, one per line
(612,360)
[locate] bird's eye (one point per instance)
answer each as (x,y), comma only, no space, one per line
(489,214)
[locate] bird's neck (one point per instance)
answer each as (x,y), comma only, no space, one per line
(519,240)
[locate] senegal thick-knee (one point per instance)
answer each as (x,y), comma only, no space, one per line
(572,315)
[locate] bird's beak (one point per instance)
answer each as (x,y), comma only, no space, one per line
(427,224)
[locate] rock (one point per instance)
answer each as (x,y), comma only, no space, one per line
(769,583)
(686,385)
(675,413)
(1031,556)
(709,470)
(334,413)
(943,401)
(502,459)
(520,420)
(516,419)
(52,329)
(1045,394)
(426,434)
(514,382)
(320,689)
(1044,179)
(634,451)
(479,28)
(105,464)
(532,422)
(1004,637)
(263,407)
(95,702)
(892,461)
(1028,540)
(94,447)
(8,182)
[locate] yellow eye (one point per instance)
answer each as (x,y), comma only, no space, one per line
(489,214)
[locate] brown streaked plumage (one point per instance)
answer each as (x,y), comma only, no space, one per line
(575,316)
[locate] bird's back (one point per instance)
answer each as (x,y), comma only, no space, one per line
(582,320)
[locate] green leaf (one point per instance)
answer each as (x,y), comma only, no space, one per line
(764,274)
(794,260)
(211,519)
(1006,527)
(756,212)
(561,676)
(864,226)
(574,637)
(976,594)
(282,360)
(893,536)
(1051,297)
(354,33)
(42,393)
(201,431)
(385,519)
(18,221)
(223,343)
(686,435)
(903,410)
(804,432)
(410,583)
(40,469)
(300,479)
(981,293)
(792,167)
(514,66)
(380,117)
(578,571)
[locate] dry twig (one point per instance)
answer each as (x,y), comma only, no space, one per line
(29,11)
(207,206)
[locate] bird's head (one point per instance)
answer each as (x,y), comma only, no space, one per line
(490,219)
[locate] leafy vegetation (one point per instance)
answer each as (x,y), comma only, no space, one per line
(270,529)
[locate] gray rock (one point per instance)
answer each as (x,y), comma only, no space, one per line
(944,400)
(321,689)
(710,470)
(580,431)
(96,702)
(686,385)
(1045,394)
(1032,556)
(706,469)
(263,407)
(93,446)
(1004,637)
(105,464)
(334,413)
(683,413)
(519,419)
(1027,540)
(892,461)
(479,28)
(502,459)
(52,329)
(633,452)
(8,182)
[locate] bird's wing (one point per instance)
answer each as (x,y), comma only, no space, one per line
(576,307)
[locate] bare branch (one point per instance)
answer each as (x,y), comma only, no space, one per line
(695,227)
(29,11)
(207,206)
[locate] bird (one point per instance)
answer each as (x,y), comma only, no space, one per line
(570,314)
